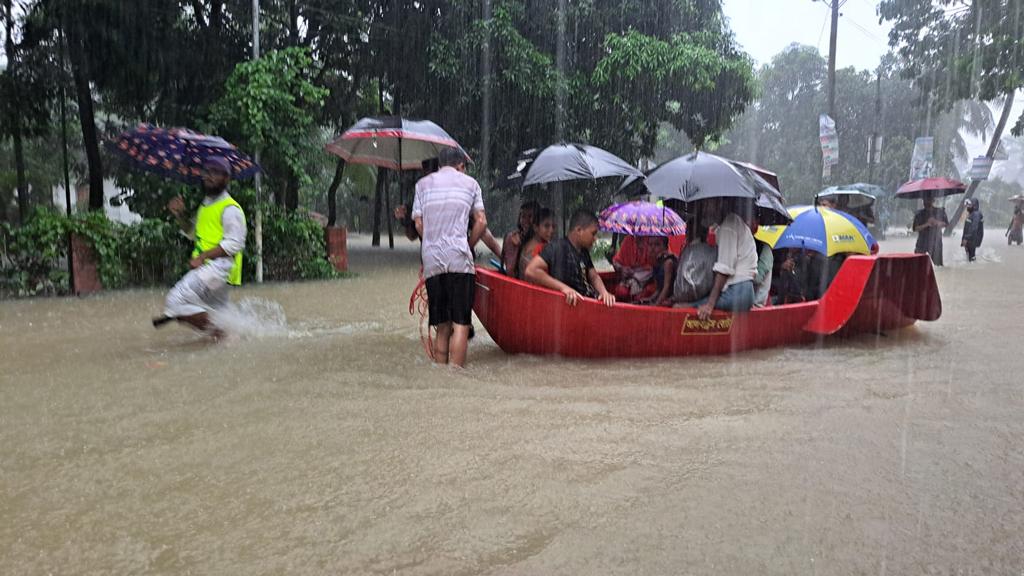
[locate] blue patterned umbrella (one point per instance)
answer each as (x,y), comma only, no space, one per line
(178,153)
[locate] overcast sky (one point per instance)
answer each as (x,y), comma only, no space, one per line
(765,27)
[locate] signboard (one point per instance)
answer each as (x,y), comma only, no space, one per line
(980,168)
(922,162)
(874,149)
(829,144)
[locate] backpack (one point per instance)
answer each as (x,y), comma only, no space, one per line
(695,275)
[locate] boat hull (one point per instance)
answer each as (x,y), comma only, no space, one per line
(870,293)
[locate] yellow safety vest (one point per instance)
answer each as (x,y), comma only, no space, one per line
(210,231)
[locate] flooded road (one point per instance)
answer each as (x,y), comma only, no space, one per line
(327,444)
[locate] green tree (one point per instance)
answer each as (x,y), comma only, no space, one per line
(972,51)
(270,105)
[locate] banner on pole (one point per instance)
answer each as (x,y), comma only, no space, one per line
(981,168)
(829,144)
(874,149)
(922,162)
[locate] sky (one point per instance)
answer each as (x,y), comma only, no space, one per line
(765,27)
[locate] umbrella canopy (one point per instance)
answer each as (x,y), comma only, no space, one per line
(822,230)
(851,199)
(930,188)
(641,219)
(178,153)
(1016,198)
(564,163)
(392,142)
(700,175)
(769,176)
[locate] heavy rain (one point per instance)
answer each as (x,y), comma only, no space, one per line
(511,287)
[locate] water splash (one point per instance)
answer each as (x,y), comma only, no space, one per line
(251,318)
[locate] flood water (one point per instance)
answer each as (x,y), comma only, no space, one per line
(321,441)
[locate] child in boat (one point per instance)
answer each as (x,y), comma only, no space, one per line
(664,271)
(634,264)
(565,264)
(541,233)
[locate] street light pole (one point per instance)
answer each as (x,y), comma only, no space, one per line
(258,221)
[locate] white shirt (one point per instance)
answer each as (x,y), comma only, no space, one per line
(445,200)
(737,253)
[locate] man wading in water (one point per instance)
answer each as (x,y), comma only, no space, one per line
(219,234)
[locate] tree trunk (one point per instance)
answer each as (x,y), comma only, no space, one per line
(377,201)
(86,117)
(332,193)
(19,168)
(997,134)
(291,193)
(15,110)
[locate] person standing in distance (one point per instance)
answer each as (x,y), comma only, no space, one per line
(444,202)
(216,261)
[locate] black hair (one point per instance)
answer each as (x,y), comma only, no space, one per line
(539,215)
(582,219)
(451,156)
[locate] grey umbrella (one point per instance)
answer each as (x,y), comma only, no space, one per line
(567,162)
(700,175)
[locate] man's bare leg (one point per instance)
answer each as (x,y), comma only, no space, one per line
(201,322)
(442,342)
(458,344)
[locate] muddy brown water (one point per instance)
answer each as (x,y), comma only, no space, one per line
(327,444)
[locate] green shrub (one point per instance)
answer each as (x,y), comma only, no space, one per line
(33,257)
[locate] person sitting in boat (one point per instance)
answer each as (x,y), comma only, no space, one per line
(634,265)
(763,278)
(736,266)
(565,264)
(540,235)
(513,240)
(664,271)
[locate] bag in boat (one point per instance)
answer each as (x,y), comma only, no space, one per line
(695,276)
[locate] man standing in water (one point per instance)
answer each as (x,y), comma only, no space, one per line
(444,203)
(974,228)
(928,223)
(219,234)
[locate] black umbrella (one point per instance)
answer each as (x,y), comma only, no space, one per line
(566,162)
(699,176)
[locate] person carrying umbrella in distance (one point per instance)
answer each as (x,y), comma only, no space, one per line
(216,261)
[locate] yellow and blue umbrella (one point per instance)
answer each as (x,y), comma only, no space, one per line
(822,230)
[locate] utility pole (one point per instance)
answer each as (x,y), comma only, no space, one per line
(875,144)
(258,219)
(485,124)
(832,59)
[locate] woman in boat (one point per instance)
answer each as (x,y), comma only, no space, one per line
(514,239)
(736,266)
(542,231)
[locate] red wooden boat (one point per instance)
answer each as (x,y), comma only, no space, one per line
(869,294)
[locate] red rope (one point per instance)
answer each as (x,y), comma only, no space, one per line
(418,304)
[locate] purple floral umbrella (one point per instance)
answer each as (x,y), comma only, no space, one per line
(641,219)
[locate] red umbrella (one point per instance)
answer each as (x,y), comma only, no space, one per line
(930,188)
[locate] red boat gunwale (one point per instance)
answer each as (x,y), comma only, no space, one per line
(869,294)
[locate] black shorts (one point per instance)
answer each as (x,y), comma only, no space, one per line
(450,298)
